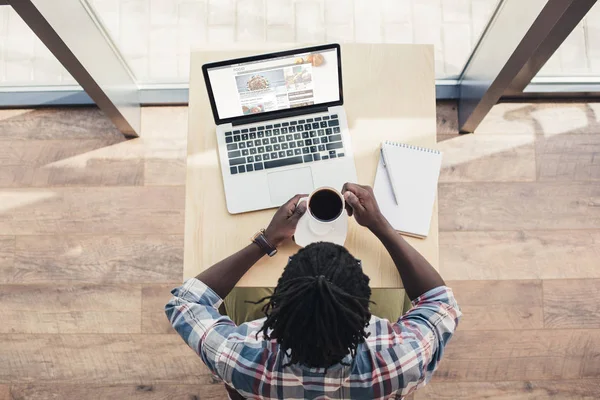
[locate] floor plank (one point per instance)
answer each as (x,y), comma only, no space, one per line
(579,389)
(520,255)
(157,158)
(109,164)
(96,173)
(488,158)
(7,252)
(167,166)
(16,176)
(442,138)
(39,163)
(512,355)
(37,153)
(568,158)
(99,359)
(56,123)
(495,305)
(5,393)
(447,117)
(99,172)
(154,298)
(204,391)
(508,119)
(165,123)
(50,308)
(164,131)
(513,206)
(98,210)
(564,118)
(547,119)
(147,160)
(96,259)
(572,303)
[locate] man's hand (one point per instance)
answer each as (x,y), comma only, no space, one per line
(224,275)
(283,224)
(361,203)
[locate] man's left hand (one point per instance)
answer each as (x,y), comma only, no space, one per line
(283,224)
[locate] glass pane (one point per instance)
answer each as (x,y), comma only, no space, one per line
(579,54)
(155,36)
(24,59)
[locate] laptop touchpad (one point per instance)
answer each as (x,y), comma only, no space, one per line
(286,184)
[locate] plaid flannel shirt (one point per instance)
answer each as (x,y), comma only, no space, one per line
(395,359)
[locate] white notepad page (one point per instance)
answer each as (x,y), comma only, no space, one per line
(415,171)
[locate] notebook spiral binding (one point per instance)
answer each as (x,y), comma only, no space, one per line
(412,147)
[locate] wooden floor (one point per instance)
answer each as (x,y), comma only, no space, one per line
(91,242)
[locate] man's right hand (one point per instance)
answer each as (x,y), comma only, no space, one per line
(360,202)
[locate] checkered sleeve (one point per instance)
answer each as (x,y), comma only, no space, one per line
(427,328)
(193,312)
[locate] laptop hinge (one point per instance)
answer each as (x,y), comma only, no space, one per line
(290,113)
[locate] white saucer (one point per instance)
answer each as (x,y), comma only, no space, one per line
(305,235)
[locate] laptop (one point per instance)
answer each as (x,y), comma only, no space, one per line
(281,125)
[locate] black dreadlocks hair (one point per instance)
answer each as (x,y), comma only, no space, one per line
(320,307)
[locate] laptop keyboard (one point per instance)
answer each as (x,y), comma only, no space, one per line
(286,143)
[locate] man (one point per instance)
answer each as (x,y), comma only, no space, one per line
(319,339)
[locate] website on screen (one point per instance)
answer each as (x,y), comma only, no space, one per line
(275,84)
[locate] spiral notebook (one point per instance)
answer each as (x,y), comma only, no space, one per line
(413,172)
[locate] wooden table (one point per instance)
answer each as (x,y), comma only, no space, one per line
(389,94)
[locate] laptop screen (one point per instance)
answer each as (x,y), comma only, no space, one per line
(275,83)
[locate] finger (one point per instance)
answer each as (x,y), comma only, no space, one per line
(347,206)
(298,212)
(291,204)
(358,190)
(367,188)
(294,200)
(348,209)
(345,187)
(353,201)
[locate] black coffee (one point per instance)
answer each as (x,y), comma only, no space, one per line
(325,205)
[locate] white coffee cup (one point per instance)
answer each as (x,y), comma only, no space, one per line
(324,207)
